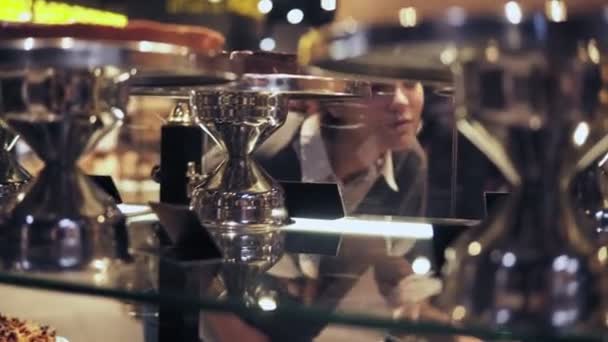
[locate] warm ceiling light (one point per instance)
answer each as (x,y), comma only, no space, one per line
(408,17)
(556,10)
(513,12)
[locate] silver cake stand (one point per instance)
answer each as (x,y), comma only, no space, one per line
(240,205)
(239,195)
(65,96)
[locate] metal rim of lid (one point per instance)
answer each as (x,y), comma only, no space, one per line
(294,86)
(227,98)
(282,80)
(297,86)
(237,106)
(156,64)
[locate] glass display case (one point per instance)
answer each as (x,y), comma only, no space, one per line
(436,175)
(362,278)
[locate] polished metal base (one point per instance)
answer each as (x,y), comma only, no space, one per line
(239,195)
(246,256)
(306,86)
(62,221)
(258,205)
(62,95)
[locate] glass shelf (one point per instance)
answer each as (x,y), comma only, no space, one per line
(373,278)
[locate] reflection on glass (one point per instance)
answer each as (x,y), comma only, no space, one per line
(394,154)
(12,175)
(590,192)
(62,220)
(376,150)
(245,257)
(130,152)
(376,280)
(369,147)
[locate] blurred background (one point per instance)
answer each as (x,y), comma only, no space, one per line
(272,25)
(458,174)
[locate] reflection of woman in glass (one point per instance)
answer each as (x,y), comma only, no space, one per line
(368,147)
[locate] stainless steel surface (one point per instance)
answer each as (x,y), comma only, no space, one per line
(74,53)
(229,65)
(305,86)
(62,220)
(180,115)
(12,175)
(534,250)
(590,191)
(173,92)
(246,256)
(62,96)
(294,85)
(194,177)
(530,88)
(239,194)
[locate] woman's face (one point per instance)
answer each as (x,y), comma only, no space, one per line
(395,113)
(391,117)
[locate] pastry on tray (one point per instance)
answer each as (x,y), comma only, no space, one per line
(16,330)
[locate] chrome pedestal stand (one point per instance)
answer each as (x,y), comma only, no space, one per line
(71,93)
(238,195)
(62,220)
